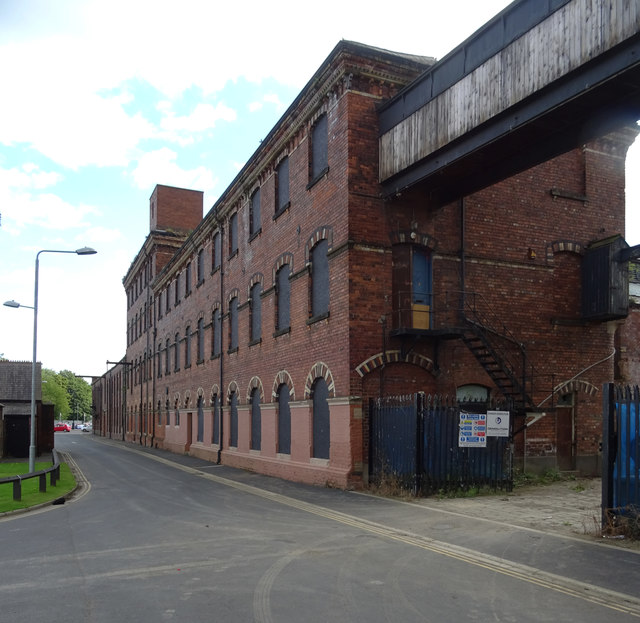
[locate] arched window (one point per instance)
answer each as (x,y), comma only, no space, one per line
(284,420)
(200,433)
(321,424)
(187,347)
(283,298)
(256,313)
(256,420)
(216,343)
(282,185)
(215,434)
(167,357)
(233,234)
(254,214)
(200,266)
(200,340)
(319,149)
(233,324)
(320,279)
(216,253)
(233,420)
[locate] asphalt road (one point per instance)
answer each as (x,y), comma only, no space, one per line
(155,537)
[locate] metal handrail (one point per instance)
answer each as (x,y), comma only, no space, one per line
(54,476)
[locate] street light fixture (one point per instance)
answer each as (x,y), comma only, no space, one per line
(32,437)
(15,304)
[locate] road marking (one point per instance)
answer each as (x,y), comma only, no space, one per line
(613,600)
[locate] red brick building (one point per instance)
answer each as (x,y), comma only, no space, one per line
(257,334)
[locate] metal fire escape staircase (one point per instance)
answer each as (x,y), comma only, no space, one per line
(501,355)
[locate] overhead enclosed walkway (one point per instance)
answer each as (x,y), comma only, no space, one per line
(540,78)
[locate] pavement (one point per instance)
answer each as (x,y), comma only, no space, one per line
(570,507)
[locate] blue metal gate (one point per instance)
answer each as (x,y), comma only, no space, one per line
(414,442)
(620,451)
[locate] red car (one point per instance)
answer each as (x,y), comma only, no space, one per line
(62,427)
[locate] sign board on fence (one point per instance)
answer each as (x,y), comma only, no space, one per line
(497,423)
(473,430)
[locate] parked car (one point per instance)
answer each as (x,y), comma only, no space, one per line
(62,427)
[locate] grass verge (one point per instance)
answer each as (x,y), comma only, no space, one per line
(31,495)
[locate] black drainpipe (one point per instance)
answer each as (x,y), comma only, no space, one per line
(462,258)
(221,396)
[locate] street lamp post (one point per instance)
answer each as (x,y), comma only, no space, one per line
(32,436)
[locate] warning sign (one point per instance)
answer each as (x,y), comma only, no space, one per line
(473,430)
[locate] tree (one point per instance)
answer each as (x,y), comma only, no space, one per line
(54,390)
(79,392)
(70,394)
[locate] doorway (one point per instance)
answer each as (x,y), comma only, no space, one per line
(565,433)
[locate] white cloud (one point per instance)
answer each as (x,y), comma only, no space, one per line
(27,177)
(160,167)
(24,204)
(268,98)
(181,129)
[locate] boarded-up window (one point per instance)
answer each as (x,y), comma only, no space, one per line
(282,185)
(283,298)
(319,148)
(319,279)
(215,436)
(187,281)
(233,323)
(216,253)
(187,348)
(200,433)
(200,266)
(284,420)
(216,327)
(321,428)
(256,420)
(254,214)
(233,420)
(200,340)
(256,313)
(233,234)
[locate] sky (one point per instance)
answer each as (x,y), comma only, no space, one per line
(104,99)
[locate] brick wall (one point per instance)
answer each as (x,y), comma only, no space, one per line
(521,252)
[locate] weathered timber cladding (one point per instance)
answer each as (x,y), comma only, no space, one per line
(566,40)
